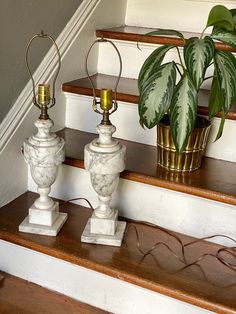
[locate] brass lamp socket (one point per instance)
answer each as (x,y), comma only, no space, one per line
(44,94)
(106,104)
(106,99)
(44,100)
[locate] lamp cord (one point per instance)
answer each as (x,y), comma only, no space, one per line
(230,251)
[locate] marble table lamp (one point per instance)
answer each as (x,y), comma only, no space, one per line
(104,159)
(44,152)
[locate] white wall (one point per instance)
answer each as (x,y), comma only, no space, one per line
(185,15)
(19,21)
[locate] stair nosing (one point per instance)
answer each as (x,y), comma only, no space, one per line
(110,33)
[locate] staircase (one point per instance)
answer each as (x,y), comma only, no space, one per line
(198,204)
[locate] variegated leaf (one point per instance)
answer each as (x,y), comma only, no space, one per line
(224,36)
(225,64)
(156,95)
(183,112)
(151,65)
(198,54)
(215,100)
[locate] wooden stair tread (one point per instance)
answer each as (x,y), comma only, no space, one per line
(125,262)
(137,34)
(18,296)
(128,91)
(216,180)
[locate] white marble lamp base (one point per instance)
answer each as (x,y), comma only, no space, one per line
(105,226)
(43,221)
(53,230)
(113,240)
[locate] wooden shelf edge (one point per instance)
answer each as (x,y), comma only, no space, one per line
(118,34)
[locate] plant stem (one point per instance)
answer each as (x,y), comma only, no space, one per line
(203,32)
(209,77)
(176,65)
(138,46)
(180,59)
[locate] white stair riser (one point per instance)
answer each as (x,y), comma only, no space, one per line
(225,147)
(133,59)
(173,210)
(86,285)
(80,116)
(188,15)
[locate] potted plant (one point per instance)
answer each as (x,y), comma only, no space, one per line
(169,91)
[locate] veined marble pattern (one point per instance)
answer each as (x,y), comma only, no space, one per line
(104,163)
(105,135)
(104,184)
(44,152)
(104,159)
(44,156)
(44,177)
(44,129)
(44,149)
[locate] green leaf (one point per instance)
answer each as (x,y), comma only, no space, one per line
(224,36)
(220,130)
(215,100)
(152,64)
(156,95)
(183,112)
(220,16)
(225,64)
(198,54)
(171,32)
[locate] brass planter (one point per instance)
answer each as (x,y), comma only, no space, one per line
(191,158)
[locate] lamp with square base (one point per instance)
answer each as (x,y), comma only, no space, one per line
(44,152)
(104,159)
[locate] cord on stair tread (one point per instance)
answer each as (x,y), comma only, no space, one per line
(218,256)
